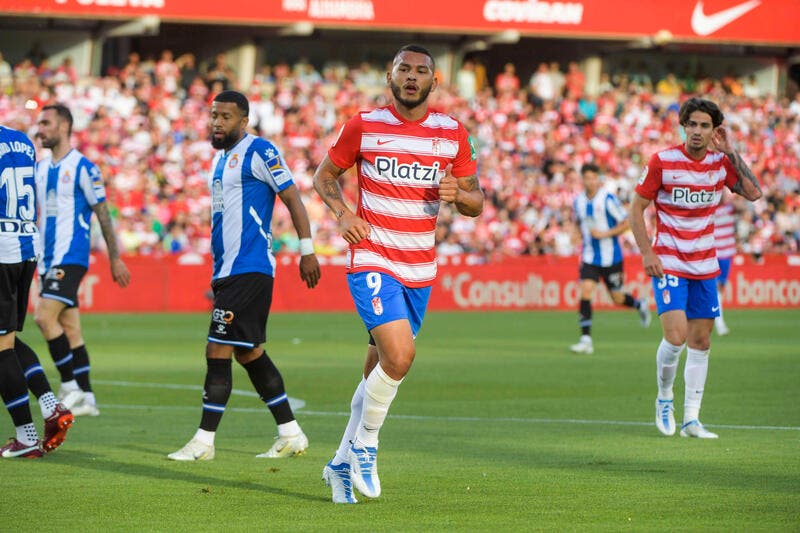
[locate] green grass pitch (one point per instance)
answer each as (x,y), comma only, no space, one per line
(496,428)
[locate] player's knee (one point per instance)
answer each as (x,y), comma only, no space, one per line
(398,365)
(45,321)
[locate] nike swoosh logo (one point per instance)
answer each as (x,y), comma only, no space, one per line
(381,143)
(703,24)
(715,309)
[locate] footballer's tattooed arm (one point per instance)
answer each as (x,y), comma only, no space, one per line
(471,203)
(747,185)
(119,272)
(326,183)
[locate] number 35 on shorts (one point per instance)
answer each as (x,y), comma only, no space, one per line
(668,280)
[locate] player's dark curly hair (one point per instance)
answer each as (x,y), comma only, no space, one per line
(63,113)
(590,167)
(418,50)
(234,97)
(700,104)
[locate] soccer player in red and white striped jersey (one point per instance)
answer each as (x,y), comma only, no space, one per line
(685,182)
(409,159)
(725,242)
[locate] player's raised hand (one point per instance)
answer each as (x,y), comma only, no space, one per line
(309,270)
(721,140)
(448,187)
(353,228)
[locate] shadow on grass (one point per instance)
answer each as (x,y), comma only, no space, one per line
(164,469)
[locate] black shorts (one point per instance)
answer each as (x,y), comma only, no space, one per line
(61,283)
(15,286)
(612,275)
(241,309)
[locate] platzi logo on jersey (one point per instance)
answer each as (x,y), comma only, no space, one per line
(389,166)
(684,195)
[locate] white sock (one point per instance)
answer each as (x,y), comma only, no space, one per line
(70,385)
(89,398)
(695,376)
(379,391)
(289,429)
(206,437)
(27,435)
(47,403)
(356,407)
(666,367)
(719,321)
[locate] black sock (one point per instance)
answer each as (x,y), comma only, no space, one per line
(62,356)
(630,301)
(13,388)
(80,364)
(219,382)
(585,317)
(31,369)
(269,385)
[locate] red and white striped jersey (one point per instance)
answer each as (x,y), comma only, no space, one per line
(725,231)
(686,194)
(400,164)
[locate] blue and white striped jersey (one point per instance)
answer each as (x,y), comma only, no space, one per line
(244,182)
(19,236)
(67,190)
(603,212)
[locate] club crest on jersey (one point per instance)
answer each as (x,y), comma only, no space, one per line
(66,177)
(390,167)
(234,160)
(377,306)
(436,146)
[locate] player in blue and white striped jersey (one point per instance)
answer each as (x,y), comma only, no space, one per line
(19,365)
(601,218)
(247,174)
(69,190)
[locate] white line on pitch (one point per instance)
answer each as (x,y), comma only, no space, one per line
(298,404)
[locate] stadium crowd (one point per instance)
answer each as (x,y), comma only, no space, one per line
(145,124)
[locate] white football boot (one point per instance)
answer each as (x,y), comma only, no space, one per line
(193,451)
(286,447)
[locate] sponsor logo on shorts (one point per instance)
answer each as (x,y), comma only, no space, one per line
(55,273)
(666,297)
(377,306)
(222,316)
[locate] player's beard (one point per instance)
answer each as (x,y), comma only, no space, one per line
(410,104)
(228,140)
(48,142)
